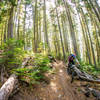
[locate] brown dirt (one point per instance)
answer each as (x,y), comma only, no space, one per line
(59,88)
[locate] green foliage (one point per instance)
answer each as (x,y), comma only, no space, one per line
(12,52)
(59,2)
(90,69)
(13,2)
(5,7)
(28,1)
(34,74)
(41,46)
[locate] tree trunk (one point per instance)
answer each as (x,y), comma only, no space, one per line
(71,28)
(60,34)
(45,27)
(98,7)
(84,36)
(5,31)
(24,28)
(18,28)
(39,28)
(2,35)
(57,44)
(93,20)
(10,24)
(90,10)
(37,33)
(89,38)
(65,37)
(34,17)
(86,43)
(95,11)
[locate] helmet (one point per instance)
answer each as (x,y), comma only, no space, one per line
(72,55)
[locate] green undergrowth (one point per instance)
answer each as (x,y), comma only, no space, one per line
(36,72)
(90,69)
(12,53)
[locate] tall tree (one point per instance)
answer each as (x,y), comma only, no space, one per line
(35,16)
(10,23)
(45,27)
(60,32)
(24,26)
(89,38)
(71,27)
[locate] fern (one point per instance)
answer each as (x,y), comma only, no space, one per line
(34,74)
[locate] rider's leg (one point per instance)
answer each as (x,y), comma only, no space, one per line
(69,68)
(73,74)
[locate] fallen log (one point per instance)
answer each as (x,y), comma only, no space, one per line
(84,76)
(10,84)
(8,87)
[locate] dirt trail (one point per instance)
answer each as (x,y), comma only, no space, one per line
(59,88)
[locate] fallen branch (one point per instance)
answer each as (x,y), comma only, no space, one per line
(10,84)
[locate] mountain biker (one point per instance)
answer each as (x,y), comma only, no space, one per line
(72,62)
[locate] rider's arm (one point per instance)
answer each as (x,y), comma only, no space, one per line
(77,62)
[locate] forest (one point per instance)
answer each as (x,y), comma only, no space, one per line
(36,40)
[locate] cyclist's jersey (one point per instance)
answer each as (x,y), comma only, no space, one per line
(72,61)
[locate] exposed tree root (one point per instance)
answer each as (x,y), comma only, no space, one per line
(86,77)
